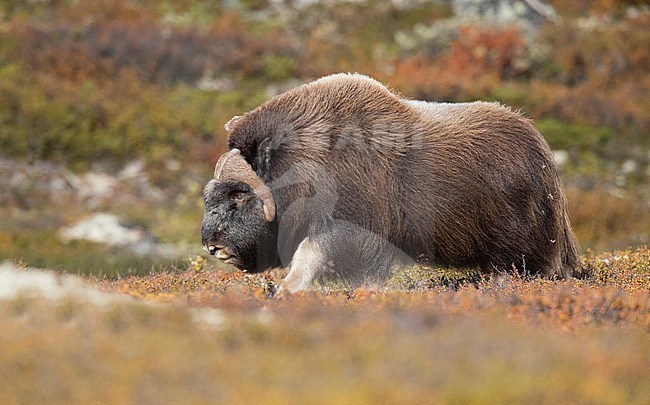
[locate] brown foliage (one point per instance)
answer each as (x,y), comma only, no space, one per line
(604,218)
(615,292)
(81,45)
(476,62)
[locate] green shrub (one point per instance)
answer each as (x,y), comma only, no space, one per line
(576,137)
(44,119)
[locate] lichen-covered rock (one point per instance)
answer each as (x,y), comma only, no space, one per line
(526,12)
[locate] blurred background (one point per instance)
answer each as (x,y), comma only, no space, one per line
(112,111)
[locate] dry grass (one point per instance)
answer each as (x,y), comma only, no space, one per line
(206,335)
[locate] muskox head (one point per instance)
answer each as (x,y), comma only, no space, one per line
(239,215)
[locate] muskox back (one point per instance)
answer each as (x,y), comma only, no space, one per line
(348,162)
(497,196)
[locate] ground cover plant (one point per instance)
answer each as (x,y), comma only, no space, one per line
(204,335)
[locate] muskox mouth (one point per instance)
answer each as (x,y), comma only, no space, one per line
(223,253)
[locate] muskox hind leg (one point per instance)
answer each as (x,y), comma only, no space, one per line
(307,261)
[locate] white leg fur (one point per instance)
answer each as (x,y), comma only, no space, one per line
(306,262)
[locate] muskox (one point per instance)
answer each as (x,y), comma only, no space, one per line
(341,177)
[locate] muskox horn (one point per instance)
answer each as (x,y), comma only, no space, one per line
(233,166)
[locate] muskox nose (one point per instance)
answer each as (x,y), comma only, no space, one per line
(211,249)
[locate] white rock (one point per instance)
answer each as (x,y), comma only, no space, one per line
(132,170)
(16,282)
(98,186)
(103,228)
(629,166)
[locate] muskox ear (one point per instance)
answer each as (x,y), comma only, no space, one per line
(264,155)
(229,124)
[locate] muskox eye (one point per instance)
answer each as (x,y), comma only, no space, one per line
(238,197)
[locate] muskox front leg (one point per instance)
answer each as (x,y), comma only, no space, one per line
(307,261)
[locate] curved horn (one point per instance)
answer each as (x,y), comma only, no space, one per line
(233,166)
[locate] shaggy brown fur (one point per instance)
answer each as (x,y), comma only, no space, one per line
(366,175)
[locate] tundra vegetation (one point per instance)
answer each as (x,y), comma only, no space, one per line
(118,106)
